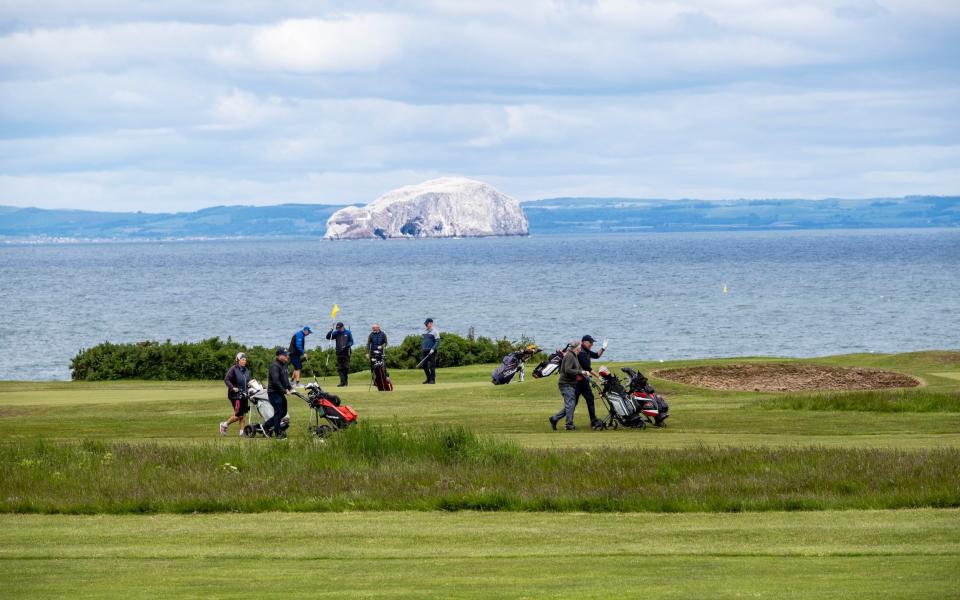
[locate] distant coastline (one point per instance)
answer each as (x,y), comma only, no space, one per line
(548,216)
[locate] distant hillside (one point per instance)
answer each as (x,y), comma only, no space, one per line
(569,215)
(216,222)
(555,215)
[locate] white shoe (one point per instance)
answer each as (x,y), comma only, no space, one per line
(223,428)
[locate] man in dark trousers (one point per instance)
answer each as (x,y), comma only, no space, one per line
(277,390)
(298,351)
(585,354)
(343,342)
(376,353)
(570,373)
(428,352)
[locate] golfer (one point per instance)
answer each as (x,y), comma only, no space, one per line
(583,384)
(377,340)
(569,372)
(428,351)
(343,342)
(298,351)
(277,390)
(236,381)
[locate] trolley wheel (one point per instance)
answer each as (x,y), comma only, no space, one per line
(614,425)
(322,431)
(249,431)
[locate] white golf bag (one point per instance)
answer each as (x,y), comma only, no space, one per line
(258,397)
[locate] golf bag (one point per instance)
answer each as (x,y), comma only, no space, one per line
(548,367)
(378,371)
(633,407)
(652,405)
(621,409)
(257,395)
(329,414)
(512,364)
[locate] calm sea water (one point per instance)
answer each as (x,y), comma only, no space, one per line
(655,296)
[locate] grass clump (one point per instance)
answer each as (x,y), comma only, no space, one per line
(375,443)
(884,401)
(451,468)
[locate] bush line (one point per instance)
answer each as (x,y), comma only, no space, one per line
(209,359)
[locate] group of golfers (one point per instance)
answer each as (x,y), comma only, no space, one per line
(279,384)
(574,383)
(575,371)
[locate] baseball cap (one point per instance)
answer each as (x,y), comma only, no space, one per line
(307,329)
(281,351)
(587,338)
(428,321)
(340,324)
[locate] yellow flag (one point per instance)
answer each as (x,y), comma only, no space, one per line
(333,313)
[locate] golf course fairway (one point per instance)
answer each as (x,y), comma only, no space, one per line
(461,490)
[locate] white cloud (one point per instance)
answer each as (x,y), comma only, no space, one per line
(186,104)
(239,109)
(342,45)
(109,47)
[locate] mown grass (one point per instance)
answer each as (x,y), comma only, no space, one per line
(823,554)
(439,468)
(179,412)
(885,401)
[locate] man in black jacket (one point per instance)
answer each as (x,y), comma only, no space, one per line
(277,390)
(343,341)
(583,384)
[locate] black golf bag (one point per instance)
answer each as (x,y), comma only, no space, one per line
(548,367)
(633,407)
(378,371)
(621,409)
(653,406)
(511,365)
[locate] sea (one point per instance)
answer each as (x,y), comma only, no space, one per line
(653,296)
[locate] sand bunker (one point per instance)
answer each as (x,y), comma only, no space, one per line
(785,377)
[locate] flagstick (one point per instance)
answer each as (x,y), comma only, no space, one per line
(326,357)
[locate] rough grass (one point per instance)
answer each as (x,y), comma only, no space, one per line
(392,468)
(892,401)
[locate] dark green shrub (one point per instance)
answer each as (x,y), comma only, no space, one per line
(210,358)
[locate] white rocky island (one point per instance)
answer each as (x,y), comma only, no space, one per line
(445,207)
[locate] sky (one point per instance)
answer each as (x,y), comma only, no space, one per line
(177,105)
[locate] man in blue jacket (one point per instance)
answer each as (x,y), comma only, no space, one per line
(298,352)
(428,351)
(343,344)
